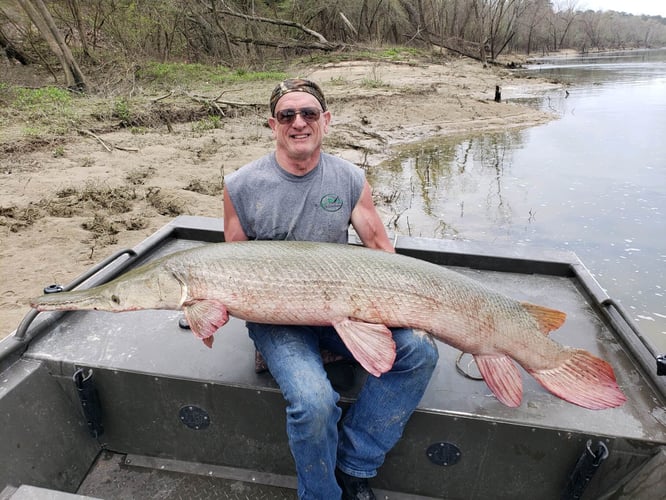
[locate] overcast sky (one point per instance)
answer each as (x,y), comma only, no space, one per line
(650,7)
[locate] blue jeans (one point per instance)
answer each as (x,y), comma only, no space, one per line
(373,424)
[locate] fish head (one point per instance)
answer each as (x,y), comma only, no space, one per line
(142,288)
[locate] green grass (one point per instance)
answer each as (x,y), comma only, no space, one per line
(42,111)
(189,75)
(45,99)
(5,94)
(121,109)
(400,53)
(209,123)
(373,83)
(32,131)
(392,54)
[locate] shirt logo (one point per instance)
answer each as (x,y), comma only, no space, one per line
(331,202)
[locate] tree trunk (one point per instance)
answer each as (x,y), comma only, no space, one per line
(41,18)
(76,13)
(11,51)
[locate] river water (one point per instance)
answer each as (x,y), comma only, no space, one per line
(592,181)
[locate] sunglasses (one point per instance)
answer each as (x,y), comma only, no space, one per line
(286,116)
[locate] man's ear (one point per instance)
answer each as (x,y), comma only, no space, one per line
(327,121)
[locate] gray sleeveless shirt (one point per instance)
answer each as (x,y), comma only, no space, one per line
(273,204)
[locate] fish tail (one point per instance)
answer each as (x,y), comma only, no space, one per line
(584,380)
(502,376)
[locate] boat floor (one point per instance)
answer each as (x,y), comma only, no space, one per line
(127,477)
(117,475)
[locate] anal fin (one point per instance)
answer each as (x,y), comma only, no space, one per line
(371,344)
(502,376)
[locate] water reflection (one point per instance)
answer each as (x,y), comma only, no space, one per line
(436,189)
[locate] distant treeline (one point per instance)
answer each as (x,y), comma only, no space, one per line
(253,33)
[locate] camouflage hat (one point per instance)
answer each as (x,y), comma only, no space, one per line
(296,85)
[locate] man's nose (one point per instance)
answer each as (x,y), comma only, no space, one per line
(299,120)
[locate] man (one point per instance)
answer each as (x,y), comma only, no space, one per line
(299,192)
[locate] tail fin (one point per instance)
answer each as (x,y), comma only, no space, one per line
(502,376)
(583,379)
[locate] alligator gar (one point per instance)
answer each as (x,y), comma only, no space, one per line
(361,293)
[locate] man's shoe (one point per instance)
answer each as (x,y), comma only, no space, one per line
(354,488)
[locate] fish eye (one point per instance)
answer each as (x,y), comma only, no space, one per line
(115,299)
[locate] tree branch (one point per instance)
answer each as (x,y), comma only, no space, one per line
(279,22)
(289,44)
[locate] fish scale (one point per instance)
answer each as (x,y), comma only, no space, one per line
(360,292)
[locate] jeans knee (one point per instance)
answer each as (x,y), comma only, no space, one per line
(313,412)
(430,353)
(419,351)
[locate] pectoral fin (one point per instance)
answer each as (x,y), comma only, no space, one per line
(503,378)
(205,317)
(371,344)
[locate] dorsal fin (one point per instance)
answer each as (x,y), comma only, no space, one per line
(548,319)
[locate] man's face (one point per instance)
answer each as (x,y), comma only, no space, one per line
(299,140)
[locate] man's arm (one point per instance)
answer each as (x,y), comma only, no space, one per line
(233,230)
(368,224)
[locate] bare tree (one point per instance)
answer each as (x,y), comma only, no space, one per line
(503,22)
(41,18)
(592,26)
(561,21)
(75,9)
(532,24)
